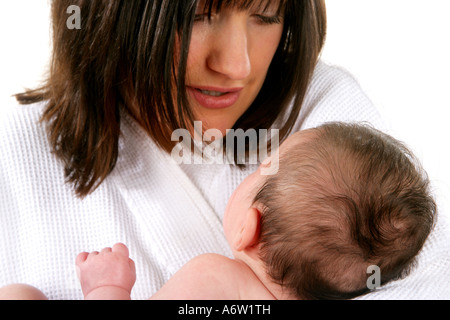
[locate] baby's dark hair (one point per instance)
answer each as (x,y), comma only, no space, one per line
(346,197)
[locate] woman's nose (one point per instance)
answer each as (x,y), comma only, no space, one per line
(230,51)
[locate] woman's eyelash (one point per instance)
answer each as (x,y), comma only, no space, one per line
(261,18)
(268,19)
(200,17)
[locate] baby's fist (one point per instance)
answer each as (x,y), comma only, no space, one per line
(111,267)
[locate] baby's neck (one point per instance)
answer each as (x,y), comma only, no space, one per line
(256,267)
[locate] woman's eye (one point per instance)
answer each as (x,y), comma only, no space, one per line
(262,19)
(200,17)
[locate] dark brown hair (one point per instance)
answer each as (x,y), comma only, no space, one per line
(123,58)
(346,198)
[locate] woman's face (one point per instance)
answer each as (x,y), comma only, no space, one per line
(228,60)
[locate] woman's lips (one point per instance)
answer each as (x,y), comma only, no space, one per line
(215,98)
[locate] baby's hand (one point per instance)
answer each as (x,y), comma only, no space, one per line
(108,269)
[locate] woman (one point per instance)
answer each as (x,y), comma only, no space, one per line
(87,163)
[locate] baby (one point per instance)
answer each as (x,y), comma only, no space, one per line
(345,197)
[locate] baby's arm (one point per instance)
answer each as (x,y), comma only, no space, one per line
(110,275)
(106,275)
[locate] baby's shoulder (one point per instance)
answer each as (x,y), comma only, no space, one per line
(236,278)
(215,264)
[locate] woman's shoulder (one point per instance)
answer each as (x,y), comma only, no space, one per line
(330,78)
(334,94)
(20,119)
(22,134)
(325,70)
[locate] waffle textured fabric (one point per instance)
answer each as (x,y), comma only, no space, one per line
(165,213)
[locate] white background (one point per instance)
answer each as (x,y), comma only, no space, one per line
(399,50)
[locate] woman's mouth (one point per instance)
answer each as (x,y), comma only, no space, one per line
(215,98)
(212,93)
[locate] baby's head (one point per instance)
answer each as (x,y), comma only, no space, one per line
(345,197)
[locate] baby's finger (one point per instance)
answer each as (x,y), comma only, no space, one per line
(132,265)
(81,258)
(121,249)
(106,250)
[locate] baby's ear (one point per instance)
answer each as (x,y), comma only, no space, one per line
(249,234)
